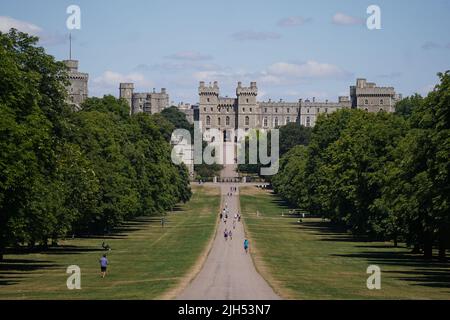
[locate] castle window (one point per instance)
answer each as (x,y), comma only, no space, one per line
(218,121)
(318,110)
(366,101)
(247,121)
(307,110)
(366,109)
(250,109)
(381,109)
(243,109)
(204,109)
(265,122)
(276,110)
(326,110)
(208,121)
(287,110)
(246,100)
(207,99)
(212,109)
(275,123)
(288,120)
(227,121)
(308,122)
(381,101)
(265,110)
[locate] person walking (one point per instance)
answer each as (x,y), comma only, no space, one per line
(103,265)
(225,234)
(230,234)
(246,245)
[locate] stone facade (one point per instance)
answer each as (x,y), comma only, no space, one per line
(245,112)
(149,102)
(78,88)
(367,96)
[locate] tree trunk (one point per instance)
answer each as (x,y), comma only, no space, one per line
(428,249)
(442,248)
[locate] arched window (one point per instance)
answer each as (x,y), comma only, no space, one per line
(288,120)
(381,101)
(208,120)
(218,121)
(275,123)
(227,121)
(247,121)
(308,122)
(265,122)
(366,101)
(381,109)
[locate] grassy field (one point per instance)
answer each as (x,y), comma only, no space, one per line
(313,260)
(146,260)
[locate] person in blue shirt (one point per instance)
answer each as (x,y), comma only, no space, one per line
(246,245)
(103,265)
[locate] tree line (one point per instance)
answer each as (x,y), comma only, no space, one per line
(65,172)
(383,176)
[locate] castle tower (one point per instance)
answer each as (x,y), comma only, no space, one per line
(78,88)
(126,92)
(248,110)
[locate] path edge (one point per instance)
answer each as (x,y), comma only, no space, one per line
(261,269)
(192,273)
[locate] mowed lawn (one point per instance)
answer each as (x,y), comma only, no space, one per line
(314,260)
(146,260)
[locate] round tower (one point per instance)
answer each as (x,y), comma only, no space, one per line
(126,92)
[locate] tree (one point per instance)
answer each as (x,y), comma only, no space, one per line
(293,134)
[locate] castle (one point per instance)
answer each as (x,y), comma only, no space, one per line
(245,112)
(149,102)
(78,87)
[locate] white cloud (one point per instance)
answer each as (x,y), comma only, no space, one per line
(309,69)
(255,35)
(189,56)
(7,23)
(108,82)
(45,38)
(293,21)
(343,19)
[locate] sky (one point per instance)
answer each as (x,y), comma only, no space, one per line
(292,49)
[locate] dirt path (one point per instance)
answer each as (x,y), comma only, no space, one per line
(228,272)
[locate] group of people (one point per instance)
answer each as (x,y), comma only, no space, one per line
(232,189)
(228,234)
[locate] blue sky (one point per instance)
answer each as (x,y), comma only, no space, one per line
(293,49)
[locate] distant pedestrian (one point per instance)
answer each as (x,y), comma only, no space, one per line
(103,265)
(234,224)
(246,245)
(230,234)
(221,215)
(225,234)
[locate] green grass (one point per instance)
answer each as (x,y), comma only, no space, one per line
(313,260)
(145,261)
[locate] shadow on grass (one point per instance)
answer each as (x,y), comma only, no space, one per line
(417,270)
(12,269)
